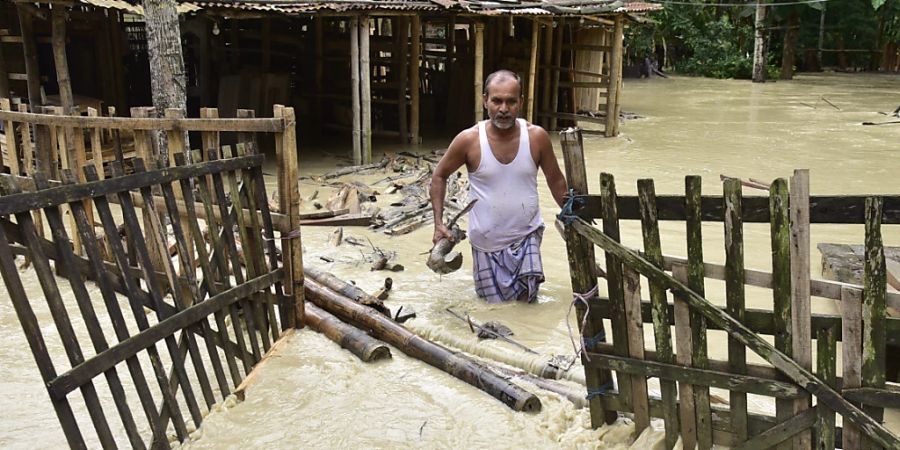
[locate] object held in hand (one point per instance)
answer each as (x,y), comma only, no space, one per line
(442,259)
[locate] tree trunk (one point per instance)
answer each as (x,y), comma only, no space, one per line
(790,45)
(759,44)
(168,83)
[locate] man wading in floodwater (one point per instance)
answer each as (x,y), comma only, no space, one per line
(502,155)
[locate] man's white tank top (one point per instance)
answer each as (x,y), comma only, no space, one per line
(507,208)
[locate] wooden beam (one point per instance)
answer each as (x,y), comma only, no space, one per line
(365,82)
(356,105)
(259,125)
(530,101)
(29,48)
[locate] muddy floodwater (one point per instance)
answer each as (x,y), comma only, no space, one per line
(312,394)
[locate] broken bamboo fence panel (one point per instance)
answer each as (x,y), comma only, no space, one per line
(734,292)
(353,339)
(635,327)
(659,302)
(873,308)
(696,275)
(581,262)
(781,284)
(395,334)
(615,282)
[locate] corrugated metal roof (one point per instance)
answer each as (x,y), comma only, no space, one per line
(183,7)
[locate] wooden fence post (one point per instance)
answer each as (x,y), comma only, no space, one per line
(684,342)
(635,329)
(734,287)
(781,284)
(696,275)
(800,262)
(873,308)
(660,310)
(851,356)
(581,266)
(291,246)
(479,71)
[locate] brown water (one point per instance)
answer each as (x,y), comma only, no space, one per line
(314,395)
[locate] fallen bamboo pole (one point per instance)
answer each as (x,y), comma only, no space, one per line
(455,364)
(351,338)
(241,391)
(346,289)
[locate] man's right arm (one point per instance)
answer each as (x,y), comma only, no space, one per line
(452,160)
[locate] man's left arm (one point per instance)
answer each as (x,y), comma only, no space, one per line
(556,181)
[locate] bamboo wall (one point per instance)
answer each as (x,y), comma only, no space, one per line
(783,336)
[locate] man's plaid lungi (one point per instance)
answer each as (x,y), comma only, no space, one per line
(513,273)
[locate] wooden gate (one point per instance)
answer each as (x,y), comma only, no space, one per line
(686,373)
(201,255)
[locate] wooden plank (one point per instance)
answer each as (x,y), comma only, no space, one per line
(260,125)
(208,273)
(530,100)
(851,356)
(744,335)
(615,280)
(9,132)
(635,328)
(356,102)
(573,116)
(684,347)
(706,377)
(361,219)
(826,369)
(781,432)
(696,276)
(780,233)
(734,293)
(615,79)
(280,344)
(581,259)
(146,338)
(13,203)
(94,328)
(658,299)
(294,307)
(557,61)
(547,71)
(103,277)
(835,209)
(176,144)
(365,87)
(875,397)
(873,308)
(801,339)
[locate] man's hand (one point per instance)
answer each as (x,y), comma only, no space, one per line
(441,232)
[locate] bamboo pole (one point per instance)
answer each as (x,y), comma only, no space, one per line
(460,366)
(291,201)
(320,63)
(354,91)
(400,28)
(365,347)
(29,48)
(557,62)
(530,101)
(479,71)
(4,75)
(365,72)
(414,79)
(615,79)
(547,55)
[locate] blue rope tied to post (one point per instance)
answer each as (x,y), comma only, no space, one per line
(583,299)
(567,214)
(594,340)
(600,391)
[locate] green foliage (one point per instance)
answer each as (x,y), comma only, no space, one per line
(715,48)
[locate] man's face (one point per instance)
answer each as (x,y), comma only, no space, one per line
(502,102)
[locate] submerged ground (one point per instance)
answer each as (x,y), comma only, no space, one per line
(315,395)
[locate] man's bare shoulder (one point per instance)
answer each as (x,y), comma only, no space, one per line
(537,133)
(467,137)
